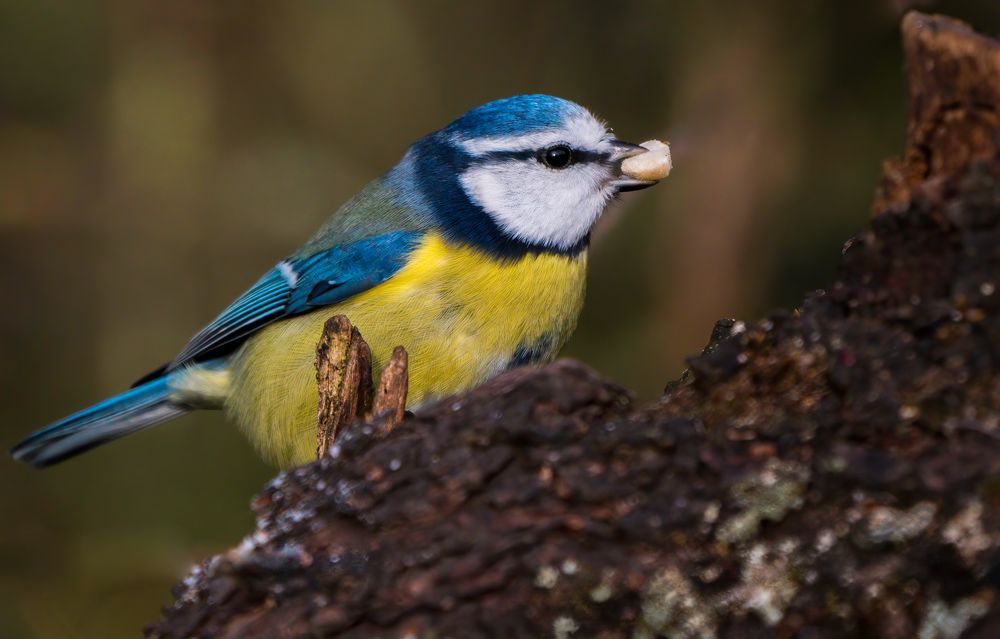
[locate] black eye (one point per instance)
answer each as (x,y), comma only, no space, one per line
(557,157)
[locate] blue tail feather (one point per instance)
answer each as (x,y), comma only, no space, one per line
(123,414)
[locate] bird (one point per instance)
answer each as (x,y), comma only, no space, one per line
(471,252)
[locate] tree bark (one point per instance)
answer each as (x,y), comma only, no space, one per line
(828,471)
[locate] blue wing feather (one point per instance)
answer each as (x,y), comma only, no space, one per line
(300,285)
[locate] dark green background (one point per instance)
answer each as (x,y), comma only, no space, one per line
(156,157)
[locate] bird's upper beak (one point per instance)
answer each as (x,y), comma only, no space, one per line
(621,151)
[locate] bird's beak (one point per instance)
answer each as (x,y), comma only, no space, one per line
(622,150)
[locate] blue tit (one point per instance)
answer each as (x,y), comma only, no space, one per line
(471,252)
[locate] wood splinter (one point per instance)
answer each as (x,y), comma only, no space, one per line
(390,399)
(344,383)
(343,378)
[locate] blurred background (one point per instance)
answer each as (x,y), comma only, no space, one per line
(156,157)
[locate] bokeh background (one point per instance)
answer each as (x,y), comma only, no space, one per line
(156,157)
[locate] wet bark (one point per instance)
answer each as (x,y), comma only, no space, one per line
(827,471)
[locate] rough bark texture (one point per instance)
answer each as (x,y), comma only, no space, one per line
(831,471)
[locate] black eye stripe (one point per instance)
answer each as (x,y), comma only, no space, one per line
(589,156)
(579,156)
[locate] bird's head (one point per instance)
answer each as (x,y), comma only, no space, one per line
(530,172)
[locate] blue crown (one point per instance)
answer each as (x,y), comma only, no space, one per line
(516,115)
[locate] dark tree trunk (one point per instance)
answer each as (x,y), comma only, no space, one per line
(829,471)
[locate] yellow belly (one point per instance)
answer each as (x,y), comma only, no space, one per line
(462,315)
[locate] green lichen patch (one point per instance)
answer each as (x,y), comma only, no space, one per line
(766,495)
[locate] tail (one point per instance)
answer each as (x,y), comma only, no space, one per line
(135,409)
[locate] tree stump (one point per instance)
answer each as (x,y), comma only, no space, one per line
(833,471)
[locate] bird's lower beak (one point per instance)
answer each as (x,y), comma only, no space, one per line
(624,182)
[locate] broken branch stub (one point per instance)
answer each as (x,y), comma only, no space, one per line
(343,379)
(954,79)
(345,387)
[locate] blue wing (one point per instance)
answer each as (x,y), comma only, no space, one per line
(299,285)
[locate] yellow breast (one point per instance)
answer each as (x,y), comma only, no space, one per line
(462,315)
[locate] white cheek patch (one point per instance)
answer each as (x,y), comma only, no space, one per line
(539,205)
(531,202)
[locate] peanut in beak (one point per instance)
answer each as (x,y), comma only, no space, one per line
(654,164)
